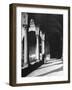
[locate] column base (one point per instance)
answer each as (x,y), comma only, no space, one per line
(25,66)
(37,60)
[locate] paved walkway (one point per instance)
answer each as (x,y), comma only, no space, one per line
(49,68)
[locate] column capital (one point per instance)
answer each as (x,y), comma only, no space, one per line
(43,37)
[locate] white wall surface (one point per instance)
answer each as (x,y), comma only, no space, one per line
(4,45)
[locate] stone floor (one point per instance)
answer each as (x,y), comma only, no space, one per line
(49,68)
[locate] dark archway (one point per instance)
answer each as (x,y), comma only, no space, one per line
(52,26)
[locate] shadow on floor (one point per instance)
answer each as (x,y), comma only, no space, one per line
(50,65)
(31,68)
(55,70)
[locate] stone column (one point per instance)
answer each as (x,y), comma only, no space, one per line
(22,46)
(37,44)
(37,48)
(43,44)
(43,47)
(25,49)
(24,22)
(24,35)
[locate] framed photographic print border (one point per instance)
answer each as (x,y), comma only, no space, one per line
(13,44)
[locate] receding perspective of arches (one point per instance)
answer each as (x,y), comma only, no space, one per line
(42,44)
